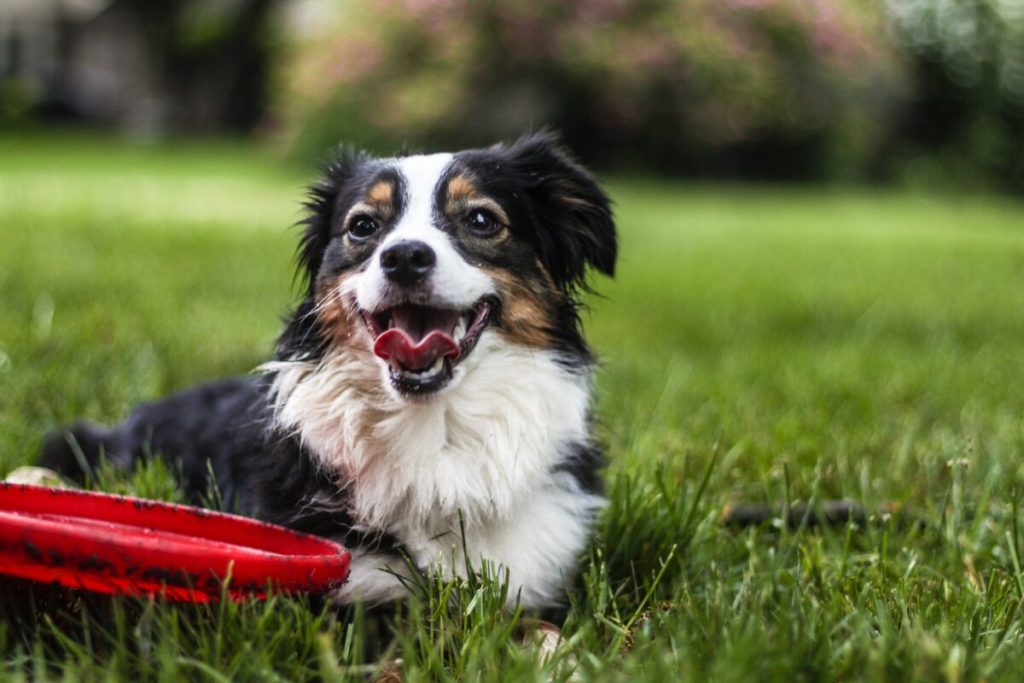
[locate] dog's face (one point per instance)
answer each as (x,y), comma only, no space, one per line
(417,258)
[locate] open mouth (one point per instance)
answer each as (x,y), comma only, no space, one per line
(422,344)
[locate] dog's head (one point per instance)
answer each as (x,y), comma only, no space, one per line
(418,257)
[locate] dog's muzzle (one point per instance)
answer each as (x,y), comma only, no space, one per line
(422,344)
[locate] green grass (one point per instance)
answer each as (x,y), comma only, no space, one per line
(776,345)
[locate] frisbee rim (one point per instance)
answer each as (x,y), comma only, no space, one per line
(138,545)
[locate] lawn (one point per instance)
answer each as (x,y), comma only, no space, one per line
(775,345)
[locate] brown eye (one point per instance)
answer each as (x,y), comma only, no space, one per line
(362,228)
(483,223)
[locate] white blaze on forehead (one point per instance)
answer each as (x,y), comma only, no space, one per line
(454,283)
(420,178)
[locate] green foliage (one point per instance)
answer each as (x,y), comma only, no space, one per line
(762,345)
(708,86)
(976,41)
(966,121)
(928,93)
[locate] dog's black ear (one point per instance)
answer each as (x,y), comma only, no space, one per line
(573,216)
(321,204)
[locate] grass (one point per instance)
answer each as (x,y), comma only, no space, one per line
(777,345)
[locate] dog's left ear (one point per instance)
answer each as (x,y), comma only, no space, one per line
(572,215)
(320,205)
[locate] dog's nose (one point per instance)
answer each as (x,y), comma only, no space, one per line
(407,262)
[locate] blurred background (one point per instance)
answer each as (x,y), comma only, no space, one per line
(880,91)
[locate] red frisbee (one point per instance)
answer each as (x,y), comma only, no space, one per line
(115,544)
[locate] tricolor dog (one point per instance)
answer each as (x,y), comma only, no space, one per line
(433,378)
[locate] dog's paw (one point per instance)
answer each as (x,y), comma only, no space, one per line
(36,476)
(545,639)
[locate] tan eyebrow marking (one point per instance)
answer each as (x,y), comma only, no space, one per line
(381,192)
(379,201)
(463,196)
(461,188)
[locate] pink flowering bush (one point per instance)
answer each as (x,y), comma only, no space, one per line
(693,85)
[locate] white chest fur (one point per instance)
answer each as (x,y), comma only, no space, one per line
(484,448)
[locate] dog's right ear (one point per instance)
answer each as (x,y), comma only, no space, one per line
(321,207)
(575,229)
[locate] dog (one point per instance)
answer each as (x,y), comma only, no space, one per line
(429,403)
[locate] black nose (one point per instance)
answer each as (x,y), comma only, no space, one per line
(407,262)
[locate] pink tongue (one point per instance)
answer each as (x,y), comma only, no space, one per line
(395,344)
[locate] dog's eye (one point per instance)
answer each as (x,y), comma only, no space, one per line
(362,227)
(483,223)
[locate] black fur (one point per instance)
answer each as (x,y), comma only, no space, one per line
(215,423)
